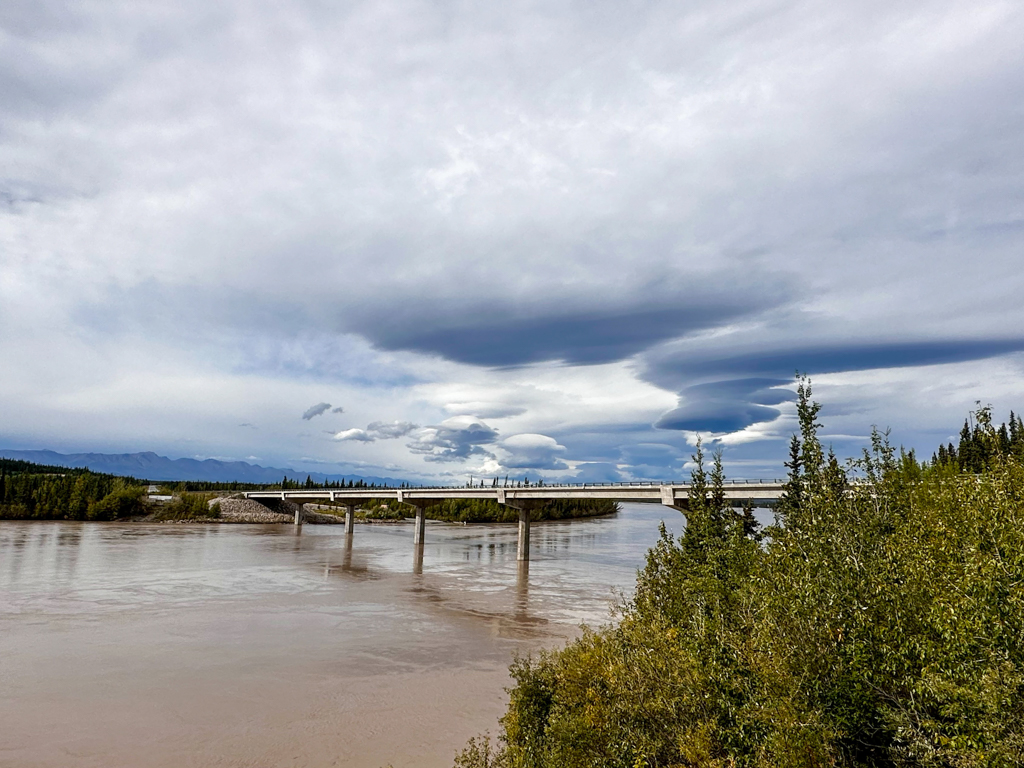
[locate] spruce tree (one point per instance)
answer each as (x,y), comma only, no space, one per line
(792,495)
(966,450)
(811,455)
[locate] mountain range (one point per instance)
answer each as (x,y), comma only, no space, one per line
(151,466)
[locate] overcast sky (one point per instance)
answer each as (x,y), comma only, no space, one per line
(435,239)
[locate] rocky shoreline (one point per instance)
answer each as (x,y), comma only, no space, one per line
(242,510)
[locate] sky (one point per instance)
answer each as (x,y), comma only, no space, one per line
(436,240)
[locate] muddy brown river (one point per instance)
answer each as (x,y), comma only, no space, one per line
(164,646)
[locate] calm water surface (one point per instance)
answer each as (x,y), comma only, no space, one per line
(247,645)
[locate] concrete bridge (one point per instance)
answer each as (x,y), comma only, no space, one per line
(524,499)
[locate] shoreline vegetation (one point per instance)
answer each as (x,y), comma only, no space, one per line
(878,622)
(40,492)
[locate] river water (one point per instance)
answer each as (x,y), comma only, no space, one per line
(160,646)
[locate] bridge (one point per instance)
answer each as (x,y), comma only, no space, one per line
(523,498)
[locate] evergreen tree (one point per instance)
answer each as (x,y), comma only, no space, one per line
(811,455)
(791,501)
(967,450)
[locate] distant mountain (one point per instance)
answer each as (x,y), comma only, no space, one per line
(150,466)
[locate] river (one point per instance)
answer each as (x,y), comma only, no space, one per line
(160,646)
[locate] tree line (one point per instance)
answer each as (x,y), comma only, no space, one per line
(878,622)
(490,511)
(980,441)
(201,486)
(38,492)
(295,485)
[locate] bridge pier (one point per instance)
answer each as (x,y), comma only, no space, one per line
(298,509)
(419,527)
(524,499)
(523,549)
(524,506)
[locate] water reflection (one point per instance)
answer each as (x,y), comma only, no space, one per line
(417,557)
(522,589)
(347,561)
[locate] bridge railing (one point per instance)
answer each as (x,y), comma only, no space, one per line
(619,484)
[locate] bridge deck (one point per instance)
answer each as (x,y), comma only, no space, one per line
(674,494)
(522,498)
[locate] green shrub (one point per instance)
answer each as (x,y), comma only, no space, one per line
(189,506)
(123,501)
(880,622)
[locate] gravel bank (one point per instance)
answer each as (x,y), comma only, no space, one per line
(234,510)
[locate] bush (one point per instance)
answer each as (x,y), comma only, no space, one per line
(189,506)
(879,623)
(123,501)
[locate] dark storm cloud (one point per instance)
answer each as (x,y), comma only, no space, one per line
(730,405)
(834,358)
(316,410)
(727,406)
(716,416)
(498,334)
(455,439)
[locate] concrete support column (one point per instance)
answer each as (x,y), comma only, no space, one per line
(346,562)
(419,525)
(523,552)
(298,514)
(350,516)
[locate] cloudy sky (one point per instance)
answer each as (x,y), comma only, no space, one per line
(435,239)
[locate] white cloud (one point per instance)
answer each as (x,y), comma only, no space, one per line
(532,451)
(501,185)
(359,435)
(377,430)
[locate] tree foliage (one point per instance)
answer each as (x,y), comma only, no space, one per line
(189,506)
(880,622)
(36,492)
(982,443)
(490,511)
